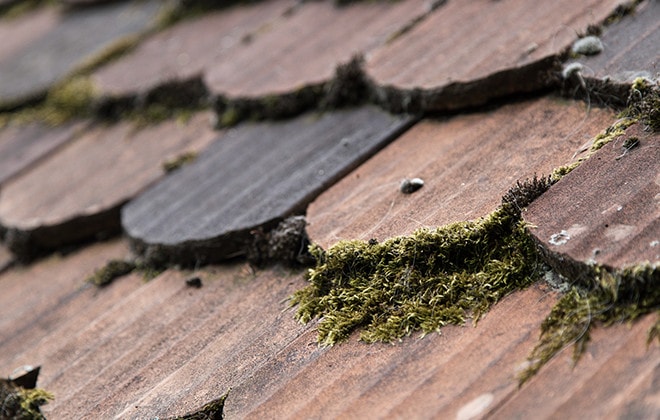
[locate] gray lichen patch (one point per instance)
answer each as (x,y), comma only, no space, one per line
(420,282)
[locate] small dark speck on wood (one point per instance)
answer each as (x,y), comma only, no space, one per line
(409,186)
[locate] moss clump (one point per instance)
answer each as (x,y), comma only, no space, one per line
(210,411)
(20,403)
(111,271)
(16,9)
(421,282)
(644,103)
(172,165)
(73,98)
(601,296)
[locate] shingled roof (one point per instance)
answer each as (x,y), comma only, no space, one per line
(175,175)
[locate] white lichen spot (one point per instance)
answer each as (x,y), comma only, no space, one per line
(570,69)
(559,238)
(653,244)
(589,45)
(475,407)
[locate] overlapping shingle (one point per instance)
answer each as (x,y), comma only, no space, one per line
(618,369)
(76,193)
(135,349)
(43,304)
(467,162)
(461,56)
(253,176)
(306,49)
(46,48)
(625,56)
(607,211)
(23,145)
(186,51)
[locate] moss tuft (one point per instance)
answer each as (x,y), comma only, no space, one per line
(20,403)
(601,296)
(111,271)
(644,103)
(15,9)
(179,161)
(419,282)
(522,194)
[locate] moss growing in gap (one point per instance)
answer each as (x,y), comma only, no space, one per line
(20,403)
(15,9)
(177,162)
(643,107)
(111,271)
(117,268)
(424,281)
(602,296)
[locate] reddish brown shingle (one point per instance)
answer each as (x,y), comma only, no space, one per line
(467,162)
(76,193)
(608,209)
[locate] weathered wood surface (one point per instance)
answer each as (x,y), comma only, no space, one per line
(76,193)
(467,163)
(608,209)
(40,56)
(253,176)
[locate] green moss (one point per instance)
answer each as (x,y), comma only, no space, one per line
(601,297)
(562,171)
(210,411)
(420,282)
(644,103)
(111,271)
(119,268)
(65,101)
(654,331)
(229,118)
(179,161)
(109,53)
(611,133)
(19,8)
(621,11)
(20,403)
